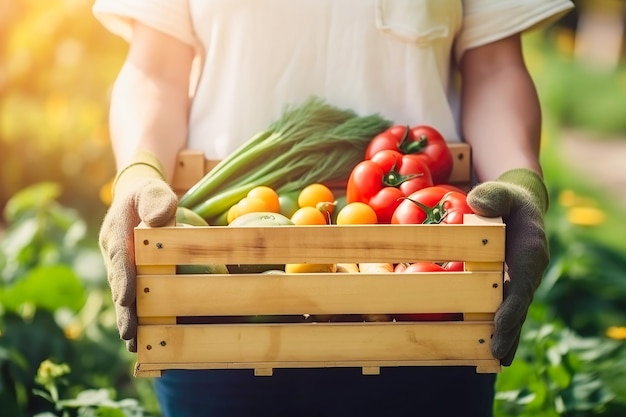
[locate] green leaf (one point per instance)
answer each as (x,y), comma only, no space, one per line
(36,196)
(515,376)
(587,393)
(48,287)
(554,355)
(90,398)
(18,246)
(102,400)
(559,375)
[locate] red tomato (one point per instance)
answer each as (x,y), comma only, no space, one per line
(391,138)
(454,266)
(421,140)
(432,205)
(431,144)
(383,181)
(424,267)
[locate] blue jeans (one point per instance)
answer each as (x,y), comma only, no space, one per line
(344,392)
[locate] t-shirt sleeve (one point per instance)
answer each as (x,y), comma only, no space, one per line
(171,17)
(486,21)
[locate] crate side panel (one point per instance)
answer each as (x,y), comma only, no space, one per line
(318,244)
(189,169)
(314,342)
(461,163)
(200,295)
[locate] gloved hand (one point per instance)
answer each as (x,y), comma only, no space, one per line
(140,193)
(520,197)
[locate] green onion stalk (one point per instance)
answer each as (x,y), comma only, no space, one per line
(312,143)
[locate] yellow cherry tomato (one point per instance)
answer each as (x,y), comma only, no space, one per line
(314,194)
(232,213)
(357,213)
(268,195)
(250,205)
(308,215)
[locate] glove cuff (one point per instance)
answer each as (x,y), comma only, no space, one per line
(531,182)
(144,165)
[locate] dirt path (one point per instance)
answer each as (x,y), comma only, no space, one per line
(605,159)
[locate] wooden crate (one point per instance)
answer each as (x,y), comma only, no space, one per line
(193,321)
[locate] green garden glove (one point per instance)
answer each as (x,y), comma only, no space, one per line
(520,197)
(140,193)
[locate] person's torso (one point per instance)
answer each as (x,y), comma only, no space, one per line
(372,56)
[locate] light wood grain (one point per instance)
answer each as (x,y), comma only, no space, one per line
(200,295)
(342,342)
(319,244)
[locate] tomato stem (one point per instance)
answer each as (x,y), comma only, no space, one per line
(327,208)
(394,179)
(415,146)
(435,214)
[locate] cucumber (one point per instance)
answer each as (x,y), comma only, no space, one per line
(190,217)
(202,269)
(254,268)
(260,219)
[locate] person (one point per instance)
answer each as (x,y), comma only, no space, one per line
(207,75)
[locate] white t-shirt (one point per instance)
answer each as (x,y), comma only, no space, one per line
(392,57)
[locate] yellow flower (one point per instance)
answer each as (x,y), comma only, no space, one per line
(586,216)
(72,331)
(616,332)
(581,210)
(565,41)
(106,192)
(569,198)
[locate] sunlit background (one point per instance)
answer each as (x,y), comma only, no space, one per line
(56,68)
(57,327)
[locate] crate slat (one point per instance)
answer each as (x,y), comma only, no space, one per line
(318,244)
(155,370)
(341,342)
(201,295)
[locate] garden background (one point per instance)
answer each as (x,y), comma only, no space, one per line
(59,351)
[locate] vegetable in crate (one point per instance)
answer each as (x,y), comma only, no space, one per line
(312,143)
(422,140)
(316,204)
(258,199)
(425,267)
(382,182)
(190,217)
(312,211)
(432,205)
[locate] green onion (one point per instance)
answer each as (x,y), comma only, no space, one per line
(312,143)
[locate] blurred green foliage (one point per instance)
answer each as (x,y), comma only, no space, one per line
(578,91)
(55,307)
